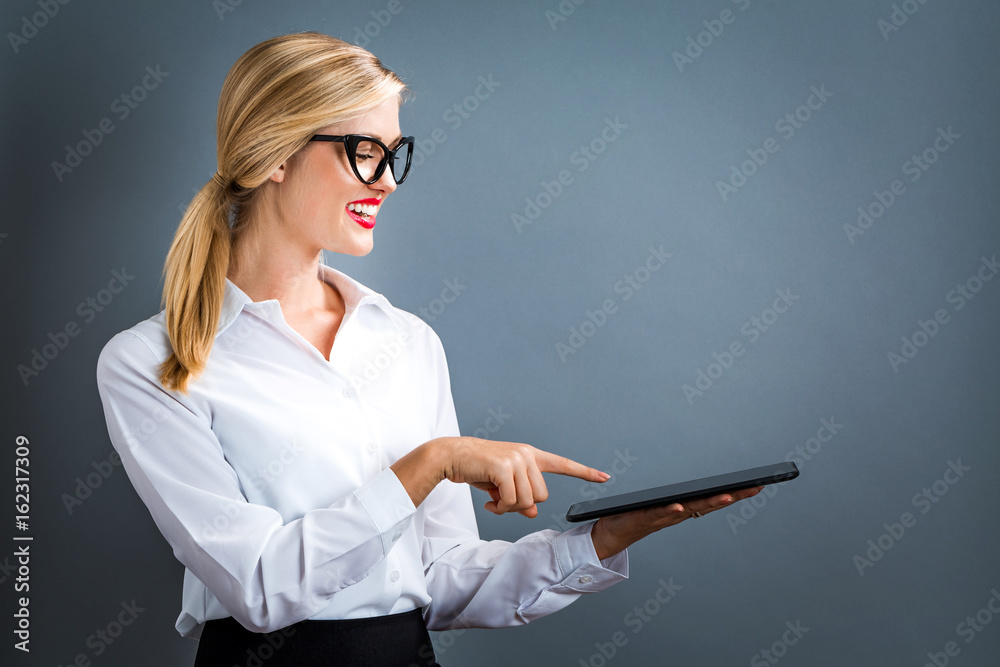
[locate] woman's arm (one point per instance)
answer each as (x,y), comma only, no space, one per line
(266,573)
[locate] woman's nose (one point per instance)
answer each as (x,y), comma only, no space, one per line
(386,182)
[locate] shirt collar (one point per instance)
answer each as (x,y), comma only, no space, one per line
(354,294)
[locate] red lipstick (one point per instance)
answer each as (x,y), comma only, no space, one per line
(366,220)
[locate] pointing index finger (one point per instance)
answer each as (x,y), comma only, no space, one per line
(549,462)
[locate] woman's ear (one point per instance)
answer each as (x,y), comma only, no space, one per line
(278,175)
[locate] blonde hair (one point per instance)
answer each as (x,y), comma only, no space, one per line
(275,97)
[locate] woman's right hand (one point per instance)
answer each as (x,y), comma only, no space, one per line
(511,472)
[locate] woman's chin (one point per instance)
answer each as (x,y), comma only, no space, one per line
(354,249)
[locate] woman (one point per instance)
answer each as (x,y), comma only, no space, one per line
(293,434)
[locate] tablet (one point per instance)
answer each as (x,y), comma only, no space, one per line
(678,493)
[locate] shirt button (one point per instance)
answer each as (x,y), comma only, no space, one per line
(349,392)
(586,579)
(372,448)
(394,577)
(396,536)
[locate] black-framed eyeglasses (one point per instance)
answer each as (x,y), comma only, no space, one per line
(369,156)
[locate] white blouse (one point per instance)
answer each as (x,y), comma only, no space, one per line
(270,479)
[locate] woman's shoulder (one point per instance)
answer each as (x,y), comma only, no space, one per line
(146,342)
(414,329)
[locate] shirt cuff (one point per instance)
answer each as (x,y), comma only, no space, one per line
(388,505)
(581,569)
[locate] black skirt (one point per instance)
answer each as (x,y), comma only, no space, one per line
(399,640)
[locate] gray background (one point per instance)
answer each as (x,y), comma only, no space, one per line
(790,559)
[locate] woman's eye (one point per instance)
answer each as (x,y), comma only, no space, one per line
(362,156)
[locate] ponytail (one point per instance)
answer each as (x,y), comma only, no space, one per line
(195,282)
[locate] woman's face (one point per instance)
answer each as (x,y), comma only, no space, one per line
(317,185)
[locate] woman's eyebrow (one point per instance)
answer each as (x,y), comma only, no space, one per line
(387,143)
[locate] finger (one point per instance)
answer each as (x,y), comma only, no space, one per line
(549,462)
(666,515)
(743,494)
(539,490)
(657,510)
(494,504)
(674,511)
(531,512)
(706,505)
(493,492)
(508,495)
(525,498)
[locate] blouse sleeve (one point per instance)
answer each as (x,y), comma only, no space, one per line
(478,583)
(266,573)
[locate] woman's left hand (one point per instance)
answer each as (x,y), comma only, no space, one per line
(613,534)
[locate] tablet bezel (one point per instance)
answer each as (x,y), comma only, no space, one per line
(683,491)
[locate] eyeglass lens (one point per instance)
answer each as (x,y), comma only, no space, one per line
(368,155)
